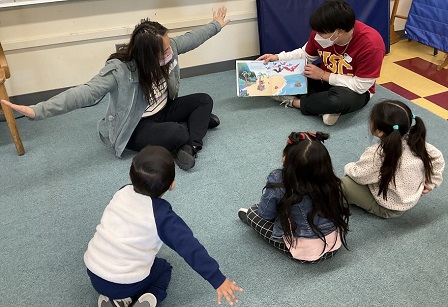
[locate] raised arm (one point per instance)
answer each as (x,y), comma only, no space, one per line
(195,38)
(220,16)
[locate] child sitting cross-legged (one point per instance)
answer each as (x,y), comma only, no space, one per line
(121,257)
(302,211)
(391,176)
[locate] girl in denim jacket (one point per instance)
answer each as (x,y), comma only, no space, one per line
(302,210)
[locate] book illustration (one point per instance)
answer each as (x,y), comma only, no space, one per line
(254,78)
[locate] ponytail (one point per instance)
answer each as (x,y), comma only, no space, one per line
(392,150)
(394,119)
(417,143)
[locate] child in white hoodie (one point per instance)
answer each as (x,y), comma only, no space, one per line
(121,257)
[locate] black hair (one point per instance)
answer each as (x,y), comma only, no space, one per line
(144,50)
(332,15)
(307,170)
(394,119)
(152,171)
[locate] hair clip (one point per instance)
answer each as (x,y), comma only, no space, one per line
(288,141)
(302,136)
(395,127)
(148,30)
(312,134)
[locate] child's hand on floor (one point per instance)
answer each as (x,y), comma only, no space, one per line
(226,289)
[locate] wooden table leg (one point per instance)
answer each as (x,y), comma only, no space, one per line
(393,35)
(10,119)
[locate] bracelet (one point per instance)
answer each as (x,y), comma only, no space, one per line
(322,77)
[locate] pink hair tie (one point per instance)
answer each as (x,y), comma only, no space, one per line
(288,141)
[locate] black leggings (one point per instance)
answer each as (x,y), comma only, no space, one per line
(264,228)
(184,120)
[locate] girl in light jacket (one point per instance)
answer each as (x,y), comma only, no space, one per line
(390,177)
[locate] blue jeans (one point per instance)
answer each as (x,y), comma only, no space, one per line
(156,283)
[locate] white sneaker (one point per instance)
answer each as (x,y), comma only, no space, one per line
(104,301)
(330,119)
(285,100)
(146,300)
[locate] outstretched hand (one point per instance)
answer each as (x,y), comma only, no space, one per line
(268,58)
(220,16)
(226,289)
(25,110)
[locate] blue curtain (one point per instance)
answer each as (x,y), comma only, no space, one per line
(283,24)
(427,23)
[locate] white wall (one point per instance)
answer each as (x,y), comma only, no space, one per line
(51,46)
(403,10)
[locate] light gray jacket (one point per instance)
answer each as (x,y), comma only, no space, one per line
(117,85)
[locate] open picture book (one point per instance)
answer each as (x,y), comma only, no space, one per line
(254,78)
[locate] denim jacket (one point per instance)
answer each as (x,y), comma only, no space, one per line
(117,84)
(267,209)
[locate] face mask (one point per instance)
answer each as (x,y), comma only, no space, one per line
(166,60)
(324,42)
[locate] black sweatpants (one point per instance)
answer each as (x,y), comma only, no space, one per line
(184,120)
(323,98)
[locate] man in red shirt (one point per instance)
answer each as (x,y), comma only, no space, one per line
(351,55)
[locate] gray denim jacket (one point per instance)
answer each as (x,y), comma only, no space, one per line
(267,209)
(118,85)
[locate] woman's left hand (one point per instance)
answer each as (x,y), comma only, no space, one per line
(220,16)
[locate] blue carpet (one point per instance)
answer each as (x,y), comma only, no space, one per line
(52,199)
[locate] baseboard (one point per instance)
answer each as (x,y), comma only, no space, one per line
(211,68)
(33,98)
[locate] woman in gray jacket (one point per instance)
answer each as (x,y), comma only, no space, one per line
(140,83)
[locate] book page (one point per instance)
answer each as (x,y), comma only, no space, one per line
(254,78)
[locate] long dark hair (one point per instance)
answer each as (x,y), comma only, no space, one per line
(144,51)
(394,119)
(307,170)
